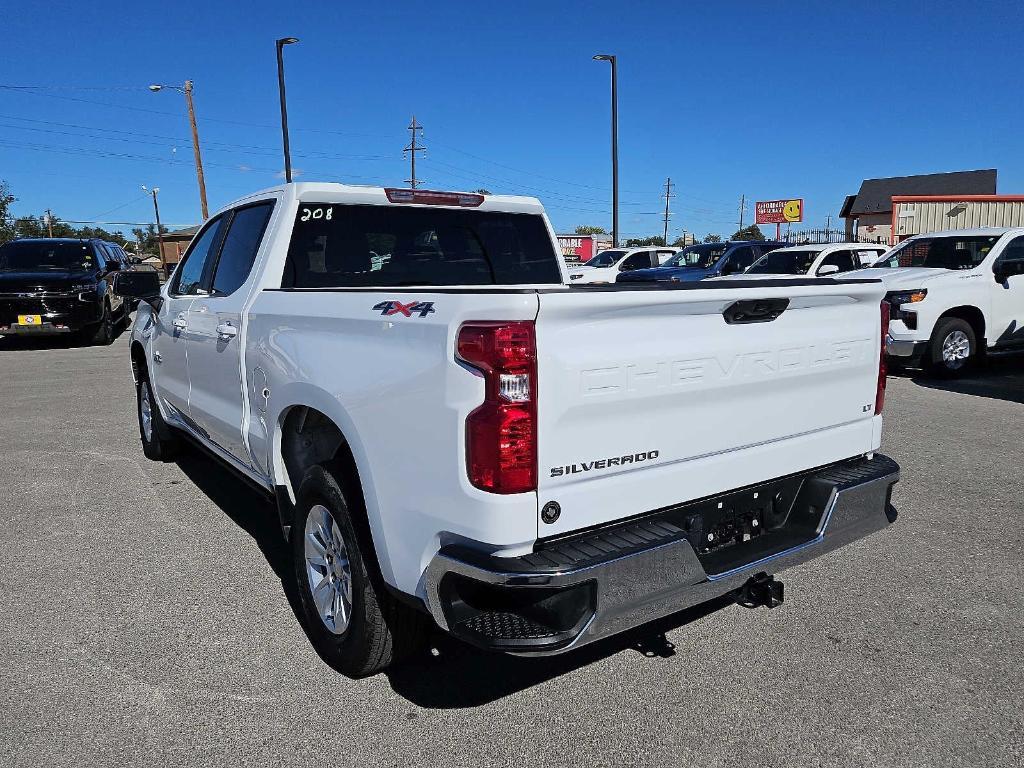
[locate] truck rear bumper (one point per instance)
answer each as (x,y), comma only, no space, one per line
(576,590)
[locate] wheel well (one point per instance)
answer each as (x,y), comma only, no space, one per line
(972,316)
(138,362)
(309,437)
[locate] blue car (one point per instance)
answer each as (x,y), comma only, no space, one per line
(696,262)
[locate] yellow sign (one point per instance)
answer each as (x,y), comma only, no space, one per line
(30,319)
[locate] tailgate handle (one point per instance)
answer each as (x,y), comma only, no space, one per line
(754,310)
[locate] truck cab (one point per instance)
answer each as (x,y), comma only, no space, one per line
(955,295)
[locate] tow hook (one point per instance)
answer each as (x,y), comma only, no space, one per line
(760,589)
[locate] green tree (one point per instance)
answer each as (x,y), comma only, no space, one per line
(712,238)
(643,242)
(6,222)
(753,232)
(586,229)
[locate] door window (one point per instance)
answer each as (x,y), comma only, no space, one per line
(842,259)
(639,260)
(1012,256)
(242,241)
(188,278)
(739,260)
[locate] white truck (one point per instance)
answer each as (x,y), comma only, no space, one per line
(453,435)
(955,295)
(606,266)
(820,260)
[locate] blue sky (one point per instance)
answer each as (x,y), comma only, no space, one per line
(764,99)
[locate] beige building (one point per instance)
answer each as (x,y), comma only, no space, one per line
(920,214)
(869,214)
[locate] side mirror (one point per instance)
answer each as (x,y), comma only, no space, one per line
(828,269)
(1007,269)
(143,285)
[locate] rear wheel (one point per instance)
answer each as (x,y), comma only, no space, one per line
(356,626)
(102,333)
(953,347)
(158,440)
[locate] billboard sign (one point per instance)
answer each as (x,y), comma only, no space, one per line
(779,211)
(577,249)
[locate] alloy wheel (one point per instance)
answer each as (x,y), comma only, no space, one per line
(328,570)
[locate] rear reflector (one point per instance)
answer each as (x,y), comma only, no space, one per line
(501,434)
(882,372)
(430,197)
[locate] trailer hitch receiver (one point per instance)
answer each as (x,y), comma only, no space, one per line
(760,589)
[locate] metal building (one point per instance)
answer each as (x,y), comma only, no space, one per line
(919,214)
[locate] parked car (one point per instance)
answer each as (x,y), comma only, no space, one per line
(816,260)
(59,286)
(955,295)
(606,266)
(444,444)
(697,262)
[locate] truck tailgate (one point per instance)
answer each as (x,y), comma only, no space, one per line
(650,398)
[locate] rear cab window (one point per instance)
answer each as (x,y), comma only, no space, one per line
(338,245)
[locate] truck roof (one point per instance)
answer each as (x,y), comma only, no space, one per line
(354,194)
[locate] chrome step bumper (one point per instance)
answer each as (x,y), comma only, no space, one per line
(576,590)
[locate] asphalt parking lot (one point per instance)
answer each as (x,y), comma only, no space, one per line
(145,620)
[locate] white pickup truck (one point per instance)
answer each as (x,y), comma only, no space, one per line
(955,295)
(606,266)
(452,434)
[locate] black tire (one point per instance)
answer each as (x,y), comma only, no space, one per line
(102,333)
(957,333)
(159,442)
(380,630)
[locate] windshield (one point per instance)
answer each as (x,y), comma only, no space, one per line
(605,259)
(700,256)
(949,252)
(43,256)
(784,263)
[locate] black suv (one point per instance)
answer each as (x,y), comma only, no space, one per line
(61,285)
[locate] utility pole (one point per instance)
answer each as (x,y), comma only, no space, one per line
(187,90)
(668,196)
(159,232)
(743,205)
(49,222)
(412,149)
(195,149)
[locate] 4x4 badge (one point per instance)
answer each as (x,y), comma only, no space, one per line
(387,308)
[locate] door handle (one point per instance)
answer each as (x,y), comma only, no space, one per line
(180,321)
(226,331)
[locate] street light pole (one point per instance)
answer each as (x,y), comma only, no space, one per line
(615,143)
(284,107)
(159,229)
(187,90)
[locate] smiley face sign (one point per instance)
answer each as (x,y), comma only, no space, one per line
(779,211)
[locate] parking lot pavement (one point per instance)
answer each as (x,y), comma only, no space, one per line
(145,621)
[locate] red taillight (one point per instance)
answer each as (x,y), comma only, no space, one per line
(880,389)
(501,434)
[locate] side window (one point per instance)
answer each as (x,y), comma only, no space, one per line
(188,278)
(842,259)
(237,255)
(739,260)
(639,260)
(1013,252)
(869,256)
